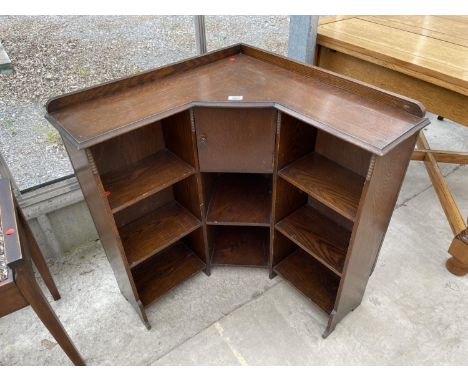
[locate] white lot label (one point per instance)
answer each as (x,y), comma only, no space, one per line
(235,98)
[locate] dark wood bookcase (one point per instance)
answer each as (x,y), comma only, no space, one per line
(299,176)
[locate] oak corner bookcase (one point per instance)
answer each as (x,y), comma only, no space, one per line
(298,173)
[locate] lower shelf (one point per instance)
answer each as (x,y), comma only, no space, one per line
(240,246)
(318,235)
(155,231)
(165,271)
(311,278)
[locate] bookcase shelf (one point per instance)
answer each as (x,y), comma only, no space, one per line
(155,231)
(311,278)
(318,235)
(333,185)
(144,178)
(240,246)
(161,273)
(240,199)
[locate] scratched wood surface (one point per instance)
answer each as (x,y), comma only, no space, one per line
(431,48)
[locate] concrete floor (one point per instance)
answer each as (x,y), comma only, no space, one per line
(413,312)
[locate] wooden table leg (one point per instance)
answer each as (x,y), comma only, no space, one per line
(37,256)
(458,264)
(31,291)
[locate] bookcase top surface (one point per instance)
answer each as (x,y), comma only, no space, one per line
(366,116)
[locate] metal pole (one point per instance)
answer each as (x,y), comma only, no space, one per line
(200,33)
(302,37)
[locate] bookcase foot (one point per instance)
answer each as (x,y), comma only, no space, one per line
(142,313)
(458,264)
(326,333)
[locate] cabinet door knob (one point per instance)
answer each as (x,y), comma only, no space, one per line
(203,139)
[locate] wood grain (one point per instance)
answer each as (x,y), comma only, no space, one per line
(333,185)
(265,80)
(240,246)
(436,98)
(427,58)
(155,231)
(311,278)
(235,139)
(145,178)
(165,271)
(317,235)
(240,199)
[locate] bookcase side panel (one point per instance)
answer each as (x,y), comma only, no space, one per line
(103,220)
(383,184)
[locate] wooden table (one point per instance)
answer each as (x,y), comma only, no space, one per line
(18,285)
(422,57)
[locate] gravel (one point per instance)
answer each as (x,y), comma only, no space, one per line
(53,55)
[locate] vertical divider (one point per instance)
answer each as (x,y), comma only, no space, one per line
(200,195)
(272,274)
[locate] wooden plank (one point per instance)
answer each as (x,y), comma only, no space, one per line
(441,156)
(453,214)
(439,28)
(145,178)
(240,199)
(333,185)
(165,271)
(311,278)
(318,235)
(240,246)
(435,61)
(155,231)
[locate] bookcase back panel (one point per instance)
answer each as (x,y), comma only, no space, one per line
(122,152)
(144,207)
(296,140)
(329,213)
(177,131)
(235,139)
(341,152)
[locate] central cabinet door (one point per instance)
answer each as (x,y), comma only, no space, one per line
(235,139)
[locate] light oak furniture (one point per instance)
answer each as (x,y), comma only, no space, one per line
(244,158)
(18,285)
(423,57)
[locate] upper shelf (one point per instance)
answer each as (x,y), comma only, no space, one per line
(371,118)
(145,178)
(328,182)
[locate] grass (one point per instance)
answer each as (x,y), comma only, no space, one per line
(84,72)
(9,126)
(52,137)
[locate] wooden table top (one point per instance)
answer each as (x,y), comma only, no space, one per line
(371,118)
(431,48)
